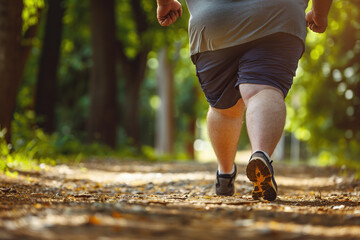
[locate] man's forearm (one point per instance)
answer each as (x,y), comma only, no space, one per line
(164,2)
(321,7)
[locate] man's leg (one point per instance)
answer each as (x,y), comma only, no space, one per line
(265,115)
(224,127)
(265,120)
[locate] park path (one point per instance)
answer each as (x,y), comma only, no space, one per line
(110,199)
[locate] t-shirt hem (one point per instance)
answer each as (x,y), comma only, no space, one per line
(237,43)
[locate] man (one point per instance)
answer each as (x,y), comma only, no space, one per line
(246,53)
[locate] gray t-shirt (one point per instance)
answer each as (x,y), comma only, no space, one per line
(217,24)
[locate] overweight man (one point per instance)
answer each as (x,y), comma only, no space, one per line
(246,53)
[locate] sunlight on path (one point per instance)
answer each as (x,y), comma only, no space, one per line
(208,155)
(139,178)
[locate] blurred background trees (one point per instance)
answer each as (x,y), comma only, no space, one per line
(15,46)
(324,104)
(107,73)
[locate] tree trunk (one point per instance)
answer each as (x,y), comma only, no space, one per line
(103,117)
(131,109)
(165,115)
(134,73)
(46,84)
(10,60)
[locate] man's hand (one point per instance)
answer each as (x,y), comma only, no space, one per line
(168,13)
(317,23)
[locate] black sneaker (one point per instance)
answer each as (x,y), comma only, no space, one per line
(225,183)
(260,171)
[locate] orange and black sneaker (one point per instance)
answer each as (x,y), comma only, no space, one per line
(260,171)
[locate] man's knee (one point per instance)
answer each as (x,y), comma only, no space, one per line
(247,91)
(233,112)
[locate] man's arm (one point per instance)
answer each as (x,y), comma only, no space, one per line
(168,11)
(316,19)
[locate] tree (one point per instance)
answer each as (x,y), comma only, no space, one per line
(45,99)
(134,67)
(165,123)
(14,52)
(140,35)
(103,116)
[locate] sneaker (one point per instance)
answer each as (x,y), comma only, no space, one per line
(225,183)
(260,171)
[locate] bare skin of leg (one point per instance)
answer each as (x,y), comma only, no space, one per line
(265,119)
(224,127)
(265,115)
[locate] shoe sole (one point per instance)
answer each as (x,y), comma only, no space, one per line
(258,172)
(228,194)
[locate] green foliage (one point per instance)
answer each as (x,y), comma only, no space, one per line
(32,148)
(30,14)
(324,110)
(24,160)
(35,144)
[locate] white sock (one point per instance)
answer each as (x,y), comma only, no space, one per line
(231,172)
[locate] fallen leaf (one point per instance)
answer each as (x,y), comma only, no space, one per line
(115,214)
(93,220)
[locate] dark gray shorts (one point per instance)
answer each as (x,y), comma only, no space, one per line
(271,60)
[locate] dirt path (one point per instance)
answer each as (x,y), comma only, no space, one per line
(133,200)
